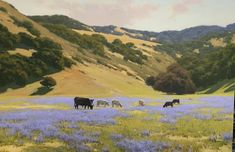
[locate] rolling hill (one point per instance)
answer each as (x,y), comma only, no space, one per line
(168,37)
(103,64)
(165,37)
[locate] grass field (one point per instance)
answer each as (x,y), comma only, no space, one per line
(49,123)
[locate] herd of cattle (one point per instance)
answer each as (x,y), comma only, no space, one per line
(89,103)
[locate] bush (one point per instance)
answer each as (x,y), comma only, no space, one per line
(127,51)
(46,43)
(68,62)
(92,43)
(28,25)
(7,39)
(48,82)
(3,9)
(175,80)
(27,41)
(150,81)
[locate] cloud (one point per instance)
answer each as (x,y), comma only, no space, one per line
(104,12)
(183,6)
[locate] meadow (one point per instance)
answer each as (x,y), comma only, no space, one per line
(43,124)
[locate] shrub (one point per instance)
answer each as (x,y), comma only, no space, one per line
(46,43)
(3,9)
(27,41)
(21,77)
(7,39)
(68,62)
(150,81)
(26,24)
(92,43)
(127,51)
(48,82)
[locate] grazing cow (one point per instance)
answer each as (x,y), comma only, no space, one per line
(84,102)
(116,103)
(176,101)
(168,103)
(141,103)
(103,103)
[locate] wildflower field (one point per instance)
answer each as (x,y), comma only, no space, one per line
(45,124)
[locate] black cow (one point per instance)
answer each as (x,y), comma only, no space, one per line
(176,101)
(168,103)
(84,102)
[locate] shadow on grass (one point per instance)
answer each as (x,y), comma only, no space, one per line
(231,88)
(42,91)
(225,83)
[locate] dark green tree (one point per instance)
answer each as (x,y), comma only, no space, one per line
(48,82)
(175,80)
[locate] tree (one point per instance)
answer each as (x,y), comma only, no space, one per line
(48,82)
(175,80)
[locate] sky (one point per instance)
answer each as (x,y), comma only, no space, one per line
(150,15)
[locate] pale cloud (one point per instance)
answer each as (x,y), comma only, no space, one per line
(117,12)
(154,15)
(183,6)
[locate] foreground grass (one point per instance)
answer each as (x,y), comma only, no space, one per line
(187,133)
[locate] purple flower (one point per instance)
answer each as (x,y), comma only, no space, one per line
(116,137)
(141,146)
(227,136)
(39,139)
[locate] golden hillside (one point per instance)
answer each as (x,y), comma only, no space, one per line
(113,76)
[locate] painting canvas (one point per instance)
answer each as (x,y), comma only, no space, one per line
(117,75)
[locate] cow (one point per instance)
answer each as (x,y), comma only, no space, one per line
(168,103)
(84,102)
(116,103)
(141,103)
(176,101)
(101,102)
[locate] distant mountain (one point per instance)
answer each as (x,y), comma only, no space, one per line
(169,37)
(231,27)
(185,35)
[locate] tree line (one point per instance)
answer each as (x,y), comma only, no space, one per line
(20,70)
(96,43)
(196,71)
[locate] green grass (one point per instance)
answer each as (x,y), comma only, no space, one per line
(43,148)
(188,132)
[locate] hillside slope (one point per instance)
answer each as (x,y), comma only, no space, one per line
(6,20)
(93,74)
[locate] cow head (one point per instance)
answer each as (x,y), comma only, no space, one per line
(91,101)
